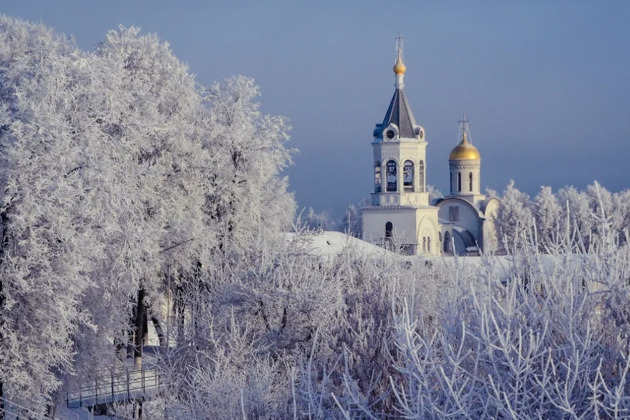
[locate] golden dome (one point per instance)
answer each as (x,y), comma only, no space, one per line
(399,67)
(464,151)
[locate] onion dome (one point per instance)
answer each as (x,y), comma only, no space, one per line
(399,67)
(464,151)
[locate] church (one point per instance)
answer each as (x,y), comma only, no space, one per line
(401,216)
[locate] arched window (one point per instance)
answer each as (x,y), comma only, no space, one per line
(424,244)
(440,236)
(389,228)
(459,182)
(470,181)
(408,176)
(452,186)
(429,244)
(392,176)
(447,243)
(421,176)
(377,177)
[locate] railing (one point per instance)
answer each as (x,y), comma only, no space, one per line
(120,384)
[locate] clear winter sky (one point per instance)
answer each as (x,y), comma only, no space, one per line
(546,84)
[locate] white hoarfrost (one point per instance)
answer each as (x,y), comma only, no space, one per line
(131,194)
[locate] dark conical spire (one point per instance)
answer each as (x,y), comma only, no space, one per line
(399,112)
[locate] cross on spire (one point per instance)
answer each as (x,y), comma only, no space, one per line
(463,123)
(399,45)
(463,127)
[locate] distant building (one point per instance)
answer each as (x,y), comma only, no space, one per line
(400,215)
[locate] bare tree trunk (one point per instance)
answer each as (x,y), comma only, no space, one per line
(180,314)
(160,331)
(119,345)
(130,337)
(137,409)
(145,326)
(138,330)
(50,411)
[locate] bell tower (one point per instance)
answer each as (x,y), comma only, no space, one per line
(399,149)
(400,216)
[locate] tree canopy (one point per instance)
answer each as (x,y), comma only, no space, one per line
(117,171)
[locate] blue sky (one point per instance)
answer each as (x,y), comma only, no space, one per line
(546,85)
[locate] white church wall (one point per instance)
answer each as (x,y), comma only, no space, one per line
(428,237)
(404,226)
(465,215)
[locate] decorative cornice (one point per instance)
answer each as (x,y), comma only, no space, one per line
(464,164)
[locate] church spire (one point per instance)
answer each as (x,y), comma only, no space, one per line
(399,121)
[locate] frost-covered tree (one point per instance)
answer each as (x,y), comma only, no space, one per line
(621,214)
(577,215)
(549,340)
(547,213)
(152,172)
(249,323)
(490,193)
(434,193)
(247,197)
(116,166)
(45,247)
(285,328)
(250,154)
(602,206)
(352,224)
(514,219)
(312,220)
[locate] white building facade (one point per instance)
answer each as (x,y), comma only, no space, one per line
(400,216)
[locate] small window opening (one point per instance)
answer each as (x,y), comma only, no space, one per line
(392,174)
(389,228)
(408,176)
(421,176)
(453,214)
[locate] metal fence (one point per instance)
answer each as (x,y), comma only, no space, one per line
(117,384)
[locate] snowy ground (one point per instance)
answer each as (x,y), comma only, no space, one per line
(330,244)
